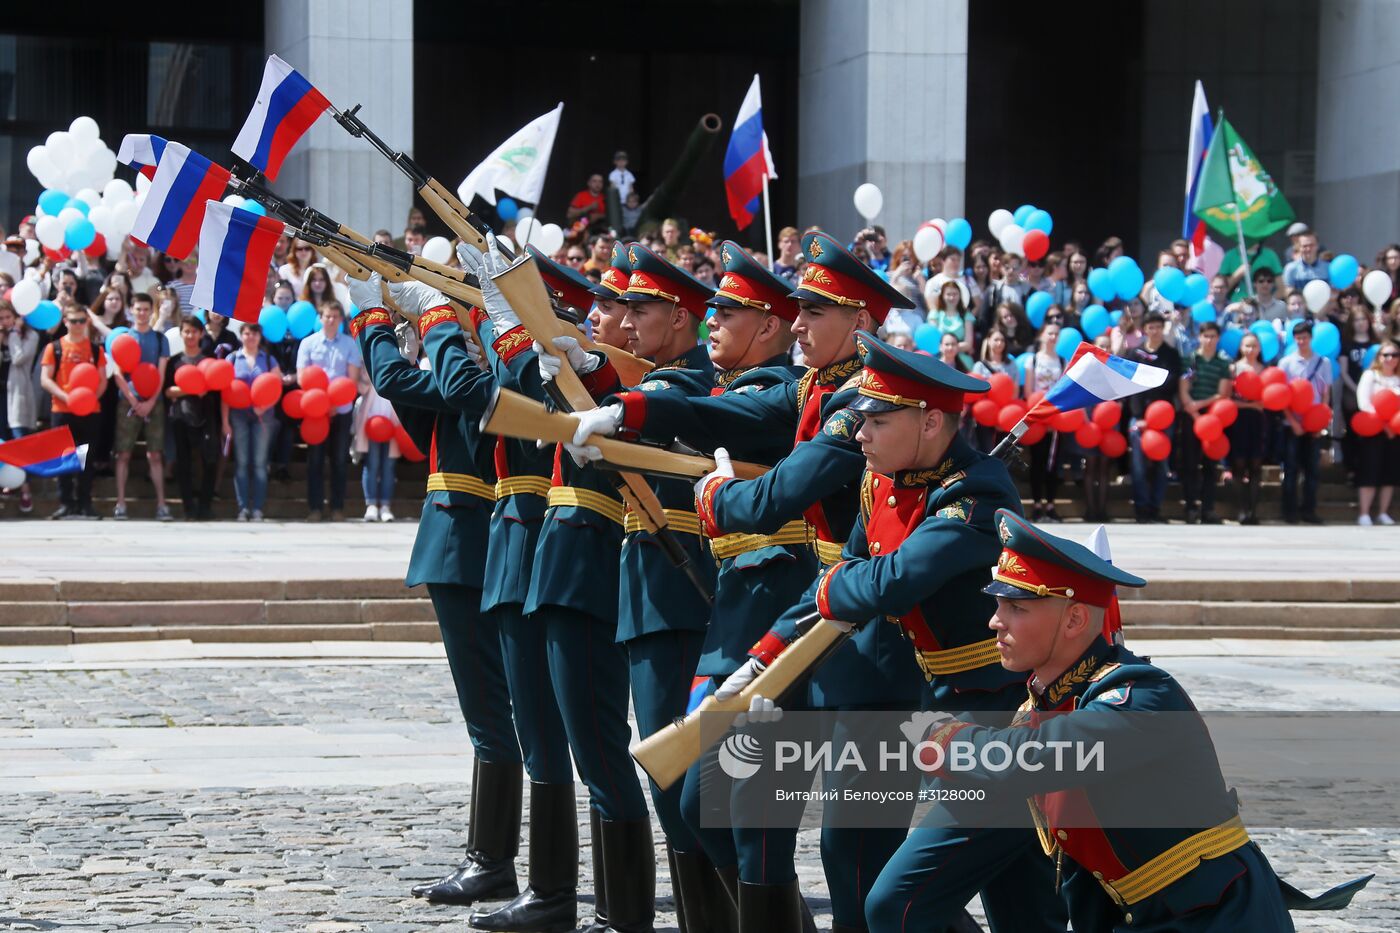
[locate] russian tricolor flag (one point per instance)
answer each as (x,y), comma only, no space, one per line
(1094,375)
(747,161)
(45,453)
(184,182)
(1197,144)
(142,152)
(286,106)
(235,252)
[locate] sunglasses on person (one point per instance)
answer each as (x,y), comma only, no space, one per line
(304,249)
(1390,356)
(1054,319)
(77,320)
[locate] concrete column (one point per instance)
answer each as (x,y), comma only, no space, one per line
(1358,139)
(882,98)
(355,52)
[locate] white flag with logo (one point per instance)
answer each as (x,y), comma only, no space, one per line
(518,165)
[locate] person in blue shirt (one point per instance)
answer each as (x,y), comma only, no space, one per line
(338,355)
(138,415)
(251,428)
(1307,266)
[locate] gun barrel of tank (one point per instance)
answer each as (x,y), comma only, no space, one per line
(663,200)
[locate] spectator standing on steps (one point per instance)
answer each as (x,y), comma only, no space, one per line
(1301,450)
(74,348)
(1150,476)
(1378,457)
(194,424)
(19,345)
(339,355)
(1205,379)
(138,415)
(251,429)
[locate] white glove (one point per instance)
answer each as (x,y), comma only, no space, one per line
(761,710)
(583,454)
(366,294)
(580,360)
(723,467)
(407,336)
(593,421)
(415,298)
(740,679)
(483,265)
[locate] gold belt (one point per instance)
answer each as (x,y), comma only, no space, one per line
(522,485)
(829,552)
(461,482)
(678,520)
(588,499)
(956,660)
(732,545)
(1177,862)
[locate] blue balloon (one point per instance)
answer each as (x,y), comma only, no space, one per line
(1023,363)
(201,315)
(1101,284)
(52,201)
(1268,339)
(1197,287)
(1202,311)
(927,337)
(1094,321)
(1342,272)
(45,315)
(274,323)
(1127,277)
(301,318)
(959,233)
(1327,339)
(80,206)
(507,209)
(1230,341)
(1366,360)
(1170,283)
(254,207)
(79,234)
(1021,213)
(112,335)
(1115,317)
(1036,306)
(1068,342)
(1040,220)
(1288,334)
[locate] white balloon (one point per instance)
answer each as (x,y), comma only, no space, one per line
(67,216)
(1316,294)
(115,245)
(143,184)
(527,230)
(31,252)
(49,230)
(551,239)
(99,165)
(1376,286)
(116,191)
(927,243)
(40,164)
(84,128)
(233,200)
(123,217)
(1012,236)
(89,197)
(437,249)
(869,200)
(102,217)
(11,476)
(60,149)
(942,226)
(999,219)
(25,296)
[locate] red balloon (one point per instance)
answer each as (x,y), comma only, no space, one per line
(1226,410)
(1366,424)
(1386,403)
(1208,428)
(126,353)
(315,430)
(1034,434)
(342,391)
(1395,424)
(146,380)
(1035,245)
(82,401)
(1159,415)
(985,411)
(1217,449)
(266,390)
(1003,389)
(238,395)
(205,363)
(1010,415)
(219,375)
(291,404)
(98,246)
(83,376)
(1249,385)
(315,403)
(1302,395)
(1114,444)
(1155,445)
(407,448)
(1107,415)
(379,429)
(1317,418)
(57,255)
(190,380)
(1276,397)
(1069,421)
(1088,435)
(1035,399)
(313,377)
(1272,375)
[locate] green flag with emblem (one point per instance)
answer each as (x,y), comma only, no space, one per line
(1232,178)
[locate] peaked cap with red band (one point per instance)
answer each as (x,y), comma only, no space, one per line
(834,276)
(615,276)
(893,379)
(655,279)
(747,284)
(1035,564)
(565,286)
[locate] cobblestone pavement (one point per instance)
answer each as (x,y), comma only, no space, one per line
(308,795)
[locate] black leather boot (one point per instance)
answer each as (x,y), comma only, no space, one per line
(630,875)
(549,904)
(721,889)
(493,838)
(599,923)
(702,903)
(770,908)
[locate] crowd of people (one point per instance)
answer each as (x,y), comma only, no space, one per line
(970,310)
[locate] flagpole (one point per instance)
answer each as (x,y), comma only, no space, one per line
(767,217)
(1244,256)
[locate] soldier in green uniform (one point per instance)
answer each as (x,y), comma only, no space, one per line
(448,556)
(1053,597)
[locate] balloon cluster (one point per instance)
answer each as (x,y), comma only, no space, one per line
(547,238)
(937,233)
(1386,414)
(82,207)
(1024,232)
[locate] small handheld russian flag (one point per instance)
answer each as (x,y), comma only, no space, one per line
(235,252)
(747,161)
(184,182)
(45,453)
(141,151)
(286,106)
